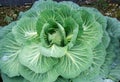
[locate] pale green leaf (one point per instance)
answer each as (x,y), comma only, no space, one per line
(5,30)
(5,78)
(49,76)
(98,16)
(31,56)
(94,70)
(76,60)
(9,63)
(92,30)
(25,30)
(28,13)
(70,4)
(53,51)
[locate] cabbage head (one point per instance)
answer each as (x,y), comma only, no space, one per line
(60,42)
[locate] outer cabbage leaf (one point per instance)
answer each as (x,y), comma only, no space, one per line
(43,5)
(5,30)
(49,76)
(70,4)
(114,73)
(98,16)
(9,63)
(92,30)
(102,21)
(5,78)
(113,27)
(24,30)
(29,13)
(94,70)
(113,50)
(109,58)
(31,57)
(76,60)
(105,39)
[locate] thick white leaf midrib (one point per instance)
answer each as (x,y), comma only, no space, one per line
(72,59)
(52,50)
(30,34)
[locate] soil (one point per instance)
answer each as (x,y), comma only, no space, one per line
(9,14)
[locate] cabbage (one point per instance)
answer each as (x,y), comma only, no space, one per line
(60,42)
